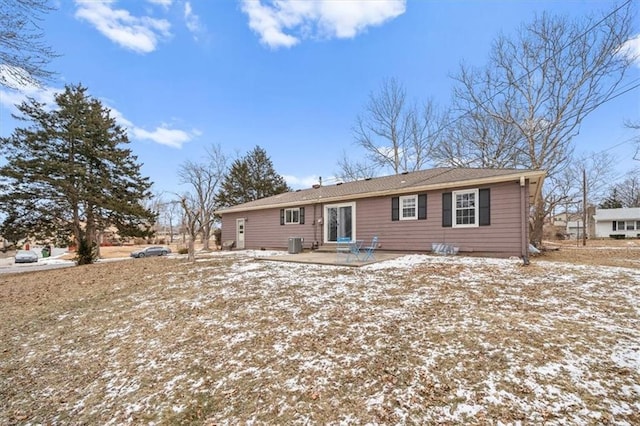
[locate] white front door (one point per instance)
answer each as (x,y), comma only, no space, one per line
(240,233)
(340,221)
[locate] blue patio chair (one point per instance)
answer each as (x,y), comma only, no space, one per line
(343,247)
(368,254)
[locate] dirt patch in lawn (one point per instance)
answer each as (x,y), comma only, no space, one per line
(235,339)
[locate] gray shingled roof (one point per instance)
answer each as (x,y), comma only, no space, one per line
(423,180)
(624,213)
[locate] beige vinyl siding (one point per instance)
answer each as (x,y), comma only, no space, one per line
(263,229)
(503,236)
(373,217)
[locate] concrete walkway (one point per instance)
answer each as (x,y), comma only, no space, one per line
(331,258)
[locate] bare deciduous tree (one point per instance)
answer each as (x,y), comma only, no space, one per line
(169,215)
(636,126)
(566,187)
(394,134)
(629,189)
(350,169)
(156,204)
(204,180)
(540,84)
(476,139)
(192,225)
(167,211)
(23,55)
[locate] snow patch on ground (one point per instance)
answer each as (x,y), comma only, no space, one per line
(414,340)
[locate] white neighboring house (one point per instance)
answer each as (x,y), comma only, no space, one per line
(618,222)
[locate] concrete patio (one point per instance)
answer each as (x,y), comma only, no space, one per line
(331,258)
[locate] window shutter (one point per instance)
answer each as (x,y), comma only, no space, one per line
(485,207)
(301,215)
(446,210)
(422,206)
(281,216)
(614,225)
(395,208)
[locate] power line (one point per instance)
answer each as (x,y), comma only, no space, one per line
(626,141)
(530,72)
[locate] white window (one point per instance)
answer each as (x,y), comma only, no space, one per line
(291,216)
(409,207)
(630,226)
(465,208)
(621,225)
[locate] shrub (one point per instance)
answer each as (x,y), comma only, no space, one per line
(183,250)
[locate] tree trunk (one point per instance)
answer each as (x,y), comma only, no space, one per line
(77,231)
(98,238)
(191,251)
(206,235)
(91,232)
(537,223)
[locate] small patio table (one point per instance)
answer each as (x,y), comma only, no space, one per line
(354,250)
(344,245)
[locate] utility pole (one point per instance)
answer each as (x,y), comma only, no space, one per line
(584,207)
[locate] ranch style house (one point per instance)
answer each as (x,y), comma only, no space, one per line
(484,211)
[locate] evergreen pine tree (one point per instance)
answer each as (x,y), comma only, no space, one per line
(612,202)
(67,173)
(250,178)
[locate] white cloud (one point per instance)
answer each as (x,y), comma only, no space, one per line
(307,181)
(276,20)
(163,3)
(162,135)
(20,87)
(631,49)
(140,34)
(266,22)
(193,21)
(16,78)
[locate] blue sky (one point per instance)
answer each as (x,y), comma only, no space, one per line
(292,78)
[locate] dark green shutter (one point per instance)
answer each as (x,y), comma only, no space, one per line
(446,210)
(281,216)
(613,223)
(422,206)
(485,207)
(301,215)
(395,208)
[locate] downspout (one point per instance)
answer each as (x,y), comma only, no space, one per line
(314,244)
(524,222)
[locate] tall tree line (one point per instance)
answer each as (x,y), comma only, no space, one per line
(521,110)
(214,184)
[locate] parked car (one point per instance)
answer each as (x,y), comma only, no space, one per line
(26,256)
(151,251)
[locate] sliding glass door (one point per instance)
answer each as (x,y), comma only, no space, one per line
(339,221)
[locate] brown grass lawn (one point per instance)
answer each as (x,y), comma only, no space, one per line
(238,338)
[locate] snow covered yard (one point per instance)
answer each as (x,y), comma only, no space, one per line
(235,339)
